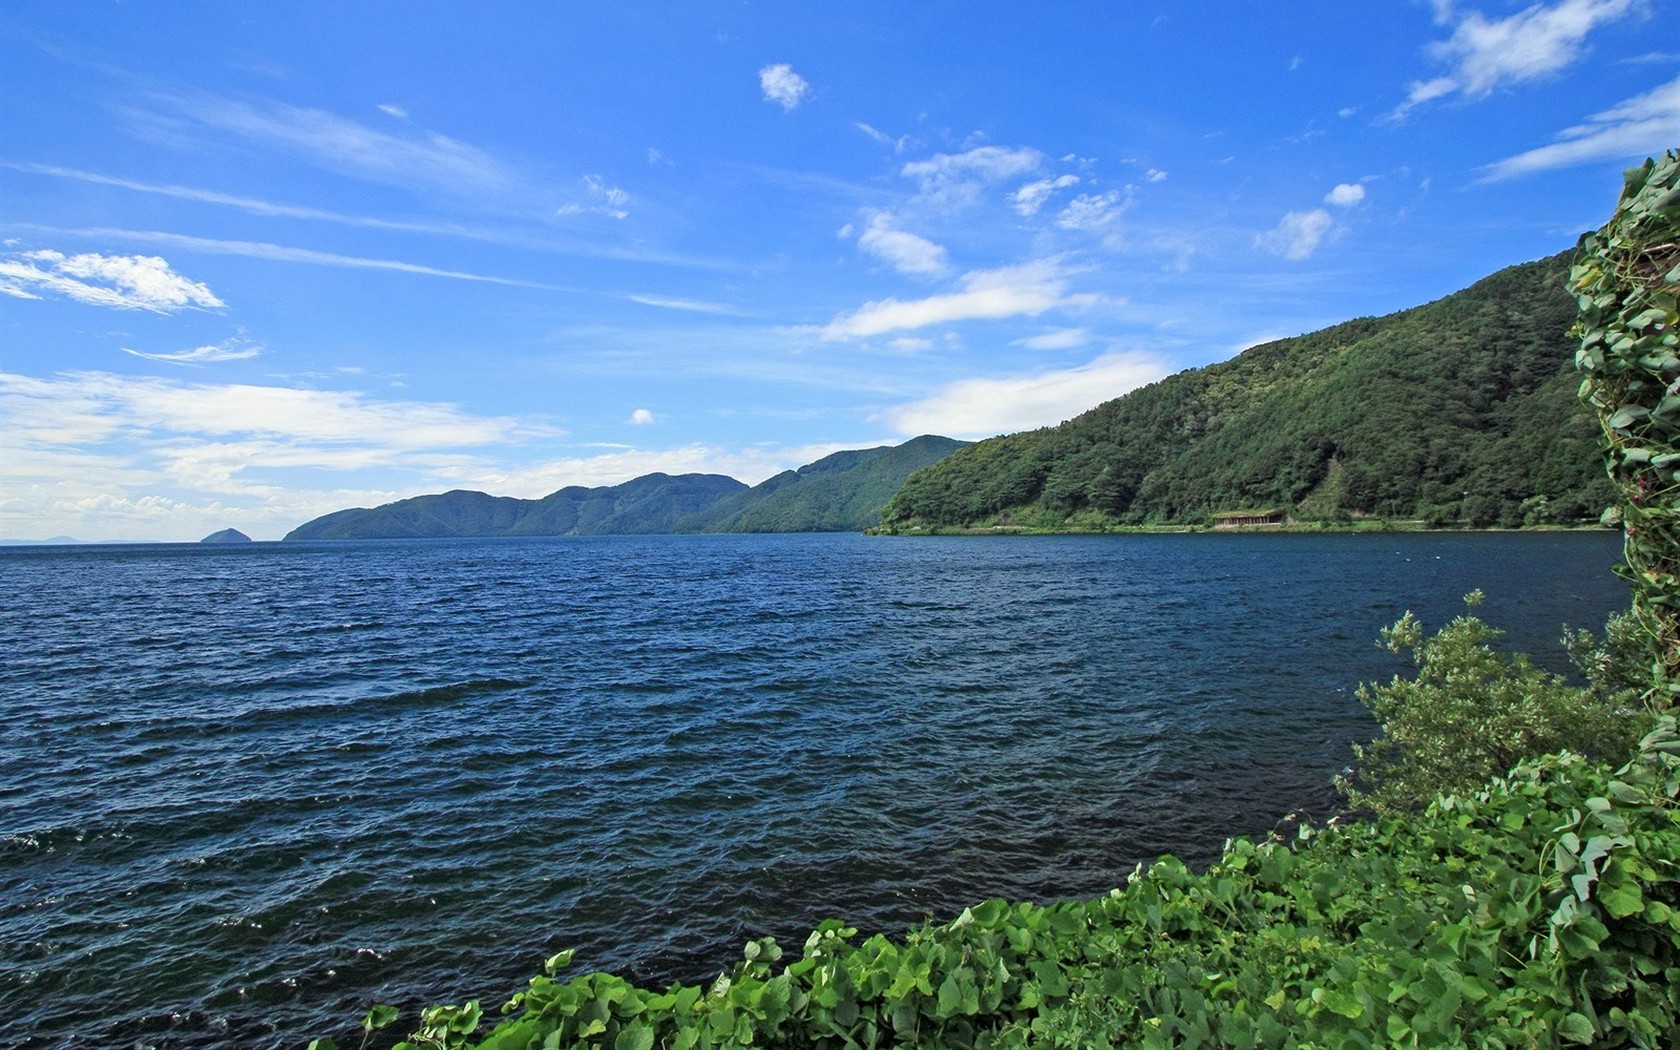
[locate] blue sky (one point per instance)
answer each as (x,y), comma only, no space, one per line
(263,261)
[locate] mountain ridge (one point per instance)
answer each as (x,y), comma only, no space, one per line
(1459,411)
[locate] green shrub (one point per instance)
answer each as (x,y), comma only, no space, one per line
(1471,713)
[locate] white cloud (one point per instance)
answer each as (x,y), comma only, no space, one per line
(1155,175)
(1057,339)
(1031,197)
(1345,195)
(907,252)
(976,408)
(1298,235)
(1484,55)
(235,349)
(952,181)
(393,111)
(783,86)
(1094,212)
(126,282)
(1644,125)
(1010,291)
(641,417)
(93,447)
(90,407)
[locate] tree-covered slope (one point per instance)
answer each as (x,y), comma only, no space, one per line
(840,493)
(648,504)
(1460,410)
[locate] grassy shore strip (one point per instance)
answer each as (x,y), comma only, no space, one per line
(1364,525)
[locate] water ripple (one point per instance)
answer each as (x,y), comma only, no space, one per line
(245,792)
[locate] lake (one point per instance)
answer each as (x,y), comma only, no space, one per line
(246,791)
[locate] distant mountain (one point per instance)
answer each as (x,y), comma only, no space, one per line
(840,493)
(226,536)
(648,504)
(1462,410)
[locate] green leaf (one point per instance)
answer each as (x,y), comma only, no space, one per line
(1626,416)
(378,1017)
(635,1036)
(558,961)
(1576,1028)
(1621,897)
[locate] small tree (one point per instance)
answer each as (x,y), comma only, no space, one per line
(1472,713)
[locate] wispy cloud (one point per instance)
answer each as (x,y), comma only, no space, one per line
(977,408)
(603,199)
(1057,339)
(284,253)
(1095,213)
(235,349)
(1031,196)
(907,252)
(1644,125)
(1484,54)
(899,144)
(783,86)
(490,235)
(124,282)
(697,306)
(419,161)
(1011,291)
(952,181)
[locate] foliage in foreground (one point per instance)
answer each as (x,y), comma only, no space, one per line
(1542,910)
(1626,281)
(1472,713)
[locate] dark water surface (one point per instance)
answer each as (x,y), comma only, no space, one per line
(246,791)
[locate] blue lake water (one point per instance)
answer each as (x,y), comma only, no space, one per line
(247,791)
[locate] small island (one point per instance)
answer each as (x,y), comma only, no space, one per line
(226,536)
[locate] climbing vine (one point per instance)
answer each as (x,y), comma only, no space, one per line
(1626,281)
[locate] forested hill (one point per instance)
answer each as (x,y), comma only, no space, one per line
(1461,410)
(648,504)
(839,493)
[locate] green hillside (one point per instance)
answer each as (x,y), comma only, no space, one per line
(648,504)
(1463,410)
(840,493)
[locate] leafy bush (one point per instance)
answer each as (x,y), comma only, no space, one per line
(1541,910)
(1472,713)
